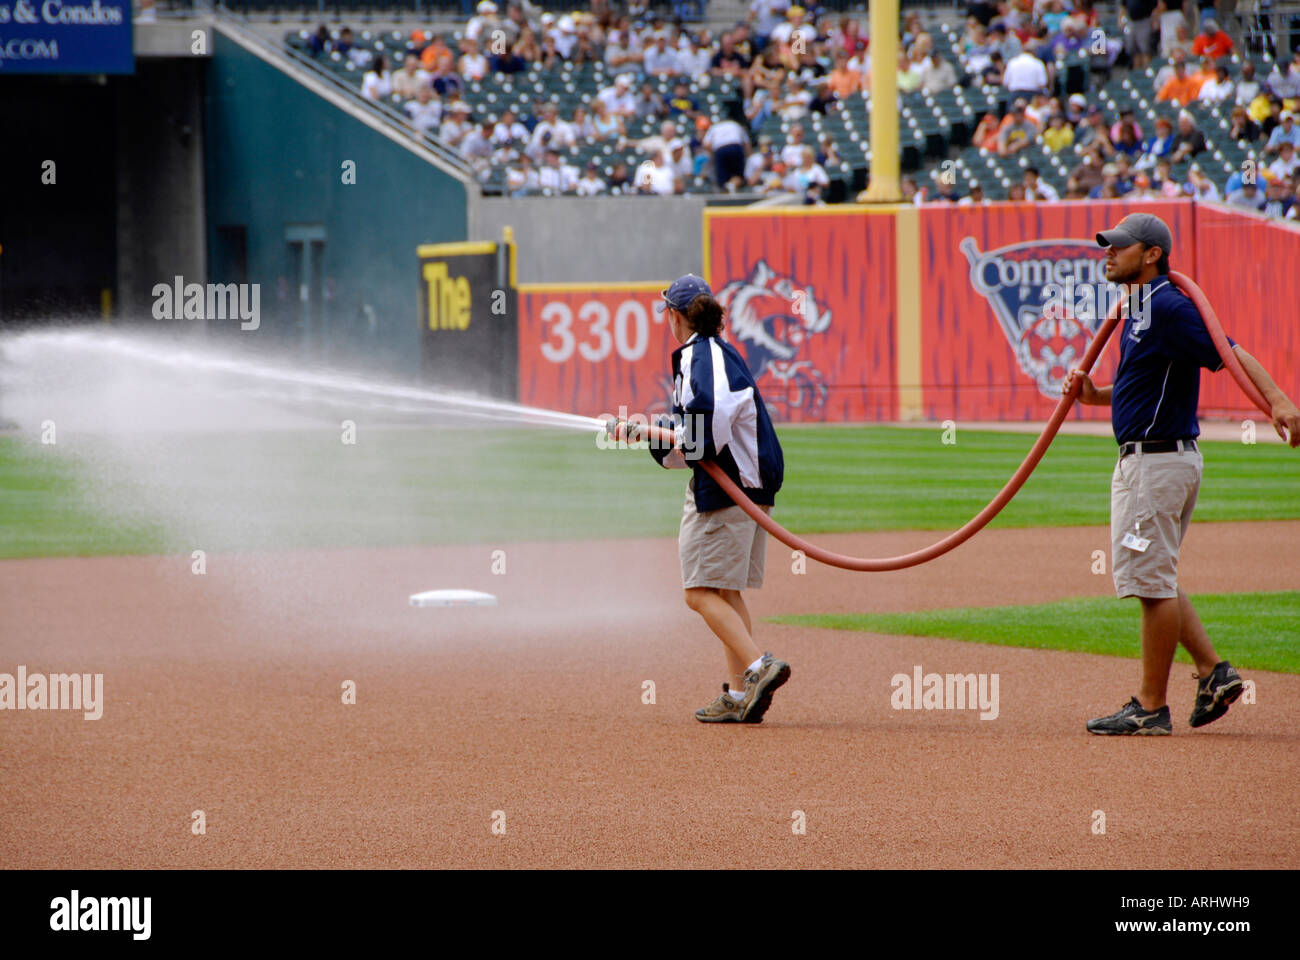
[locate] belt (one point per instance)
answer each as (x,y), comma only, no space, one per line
(1156,446)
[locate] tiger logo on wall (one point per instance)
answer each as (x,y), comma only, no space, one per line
(771,318)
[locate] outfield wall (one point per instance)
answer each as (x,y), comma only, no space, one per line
(592,348)
(812,296)
(987,353)
(886,313)
(1249,268)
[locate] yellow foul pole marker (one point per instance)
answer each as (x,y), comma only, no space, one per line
(884,186)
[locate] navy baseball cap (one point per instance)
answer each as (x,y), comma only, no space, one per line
(1138,228)
(683,291)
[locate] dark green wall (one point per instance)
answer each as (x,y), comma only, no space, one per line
(275,153)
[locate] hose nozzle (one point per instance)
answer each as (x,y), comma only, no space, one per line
(622,430)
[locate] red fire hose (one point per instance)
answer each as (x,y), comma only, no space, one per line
(980,520)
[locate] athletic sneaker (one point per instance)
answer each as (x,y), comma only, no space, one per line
(1215,693)
(725,709)
(1132,719)
(760,684)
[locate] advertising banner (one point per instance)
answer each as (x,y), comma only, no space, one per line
(985,308)
(593,348)
(469,338)
(1011,293)
(66,36)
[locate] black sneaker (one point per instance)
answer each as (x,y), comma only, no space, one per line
(1215,693)
(1133,720)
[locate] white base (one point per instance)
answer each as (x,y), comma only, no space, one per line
(453,598)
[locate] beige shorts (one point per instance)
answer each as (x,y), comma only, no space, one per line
(1152,496)
(723,549)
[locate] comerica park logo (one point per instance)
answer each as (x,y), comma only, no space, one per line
(1049,296)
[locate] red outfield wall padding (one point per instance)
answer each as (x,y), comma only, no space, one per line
(591,350)
(810,300)
(813,302)
(1249,269)
(989,351)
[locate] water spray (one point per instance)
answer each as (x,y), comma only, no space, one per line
(287,383)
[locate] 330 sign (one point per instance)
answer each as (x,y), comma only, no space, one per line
(596,329)
(592,348)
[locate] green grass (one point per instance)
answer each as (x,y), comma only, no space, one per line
(1260,631)
(43,511)
(266,489)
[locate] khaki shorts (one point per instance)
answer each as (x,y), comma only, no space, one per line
(1152,496)
(723,549)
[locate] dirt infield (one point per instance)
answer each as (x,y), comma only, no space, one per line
(223,694)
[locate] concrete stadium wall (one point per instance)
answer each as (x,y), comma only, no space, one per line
(275,164)
(105,190)
(594,239)
(160,207)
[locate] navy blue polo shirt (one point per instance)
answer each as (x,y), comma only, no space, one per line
(1158,382)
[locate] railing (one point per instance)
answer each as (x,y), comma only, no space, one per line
(389,115)
(860,8)
(367,10)
(364,10)
(1274,26)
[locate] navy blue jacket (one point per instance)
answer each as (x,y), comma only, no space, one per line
(721,417)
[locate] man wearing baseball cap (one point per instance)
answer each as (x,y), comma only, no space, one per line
(1017,131)
(1163,345)
(1285,132)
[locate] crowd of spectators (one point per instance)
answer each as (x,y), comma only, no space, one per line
(789,62)
(782,60)
(1116,157)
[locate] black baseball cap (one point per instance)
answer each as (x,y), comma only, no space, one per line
(1138,228)
(683,291)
